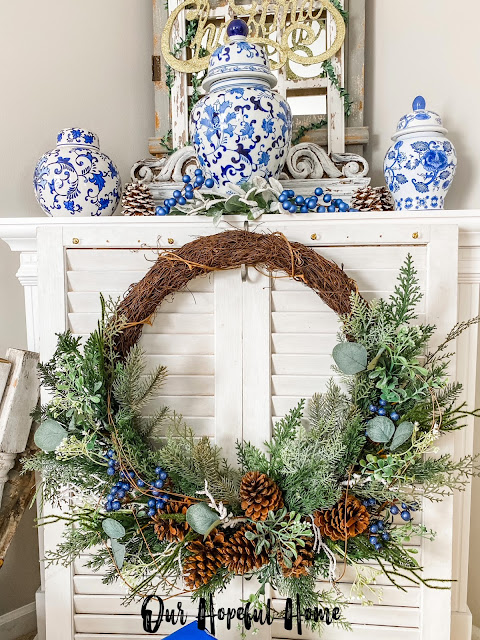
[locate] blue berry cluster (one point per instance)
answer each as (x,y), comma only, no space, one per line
(119,491)
(159,499)
(378,534)
(383,409)
(189,188)
(320,201)
(112,462)
(405,513)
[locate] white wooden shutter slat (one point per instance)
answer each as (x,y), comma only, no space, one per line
(187,301)
(372,632)
(177,323)
(119,280)
(187,364)
(308,300)
(199,406)
(367,279)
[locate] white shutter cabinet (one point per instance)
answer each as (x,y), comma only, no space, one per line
(241,352)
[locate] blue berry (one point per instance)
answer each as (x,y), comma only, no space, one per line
(343,207)
(110,497)
(152,502)
(108,506)
(164,498)
(404,506)
(177,194)
(159,504)
(380,525)
(394,510)
(162,475)
(155,493)
(291,193)
(385,536)
(373,539)
(414,506)
(122,475)
(331,208)
(161,211)
(111,471)
(186,179)
(299,200)
(111,453)
(304,209)
(365,503)
(286,205)
(112,463)
(382,411)
(182,200)
(293,208)
(151,512)
(382,402)
(374,528)
(121,493)
(321,209)
(113,491)
(189,195)
(378,547)
(172,202)
(116,505)
(394,416)
(126,486)
(312,203)
(327,198)
(131,474)
(140,483)
(406,516)
(283,197)
(372,408)
(209,183)
(319,191)
(199,172)
(372,502)
(198,181)
(158,484)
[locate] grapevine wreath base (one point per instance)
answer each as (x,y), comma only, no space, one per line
(162,510)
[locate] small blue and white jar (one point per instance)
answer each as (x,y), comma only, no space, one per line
(75,178)
(420,165)
(241,128)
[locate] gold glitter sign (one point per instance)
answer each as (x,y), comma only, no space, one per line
(285,27)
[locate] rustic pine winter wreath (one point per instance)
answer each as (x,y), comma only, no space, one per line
(179,519)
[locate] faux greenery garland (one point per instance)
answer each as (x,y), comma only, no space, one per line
(317,495)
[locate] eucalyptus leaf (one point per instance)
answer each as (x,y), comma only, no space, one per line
(113,528)
(201,518)
(49,435)
(380,429)
(350,357)
(118,550)
(402,434)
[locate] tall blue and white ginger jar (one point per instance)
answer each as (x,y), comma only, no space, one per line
(75,178)
(241,128)
(420,165)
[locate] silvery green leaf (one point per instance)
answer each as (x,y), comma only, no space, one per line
(201,518)
(350,357)
(402,434)
(380,429)
(49,435)
(276,185)
(113,528)
(236,189)
(118,551)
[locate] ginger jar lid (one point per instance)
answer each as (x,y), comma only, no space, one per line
(77,137)
(419,120)
(238,59)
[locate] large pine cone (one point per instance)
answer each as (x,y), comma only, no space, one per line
(344,520)
(205,559)
(239,555)
(259,495)
(137,200)
(372,199)
(302,562)
(172,530)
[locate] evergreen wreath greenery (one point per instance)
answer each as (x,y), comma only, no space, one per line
(359,448)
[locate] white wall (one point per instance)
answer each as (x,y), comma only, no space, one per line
(87,63)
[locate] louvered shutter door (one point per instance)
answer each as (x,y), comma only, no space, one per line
(240,355)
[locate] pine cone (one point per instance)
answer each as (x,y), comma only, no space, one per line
(172,530)
(205,559)
(137,200)
(372,199)
(259,495)
(239,555)
(301,564)
(343,521)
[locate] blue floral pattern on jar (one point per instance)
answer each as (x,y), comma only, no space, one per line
(76,179)
(419,167)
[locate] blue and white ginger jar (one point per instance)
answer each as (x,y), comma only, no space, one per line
(420,165)
(240,128)
(75,178)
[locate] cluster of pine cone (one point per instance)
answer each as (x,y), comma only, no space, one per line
(259,494)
